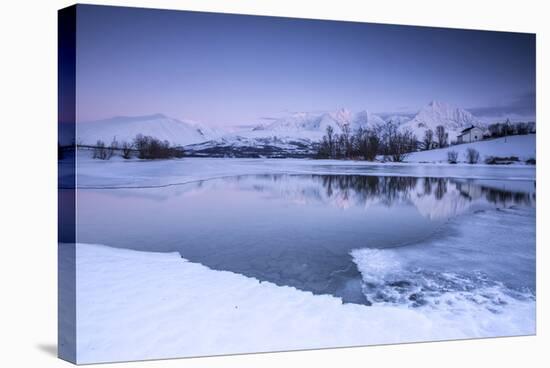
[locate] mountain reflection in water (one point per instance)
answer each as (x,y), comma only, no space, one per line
(295,230)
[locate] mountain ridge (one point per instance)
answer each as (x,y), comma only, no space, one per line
(296,129)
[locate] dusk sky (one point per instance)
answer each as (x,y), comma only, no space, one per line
(224,69)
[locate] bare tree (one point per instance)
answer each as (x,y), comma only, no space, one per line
(495,130)
(522,128)
(441,136)
(339,146)
(507,127)
(472,156)
(368,143)
(126,150)
(452,157)
(330,141)
(100,151)
(428,139)
(346,140)
(397,143)
(112,148)
(323,151)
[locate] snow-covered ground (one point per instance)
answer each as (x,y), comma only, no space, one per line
(139,305)
(521,146)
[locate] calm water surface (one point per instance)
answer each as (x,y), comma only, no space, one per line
(295,230)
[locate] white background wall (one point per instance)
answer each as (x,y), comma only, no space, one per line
(28,180)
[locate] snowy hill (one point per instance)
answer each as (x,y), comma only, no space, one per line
(125,128)
(454,120)
(521,146)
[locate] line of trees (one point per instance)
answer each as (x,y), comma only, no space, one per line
(104,152)
(437,139)
(152,148)
(497,130)
(145,147)
(387,140)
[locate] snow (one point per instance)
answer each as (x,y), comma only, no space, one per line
(256,140)
(142,305)
(454,119)
(303,127)
(125,129)
(310,126)
(138,305)
(313,126)
(472,258)
(521,146)
(117,172)
(398,119)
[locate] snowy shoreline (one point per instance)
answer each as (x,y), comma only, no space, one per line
(137,305)
(119,173)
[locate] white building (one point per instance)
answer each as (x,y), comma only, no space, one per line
(469,135)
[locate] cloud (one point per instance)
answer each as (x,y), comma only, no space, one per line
(522,105)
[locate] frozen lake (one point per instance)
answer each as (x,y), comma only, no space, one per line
(365,238)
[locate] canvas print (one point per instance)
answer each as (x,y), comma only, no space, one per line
(236,184)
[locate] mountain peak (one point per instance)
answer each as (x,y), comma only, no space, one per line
(342,116)
(437,113)
(438,104)
(342,111)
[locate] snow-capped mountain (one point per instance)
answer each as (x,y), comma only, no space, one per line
(293,135)
(313,126)
(125,128)
(240,146)
(290,136)
(454,119)
(398,119)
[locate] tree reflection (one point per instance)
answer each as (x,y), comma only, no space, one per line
(360,190)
